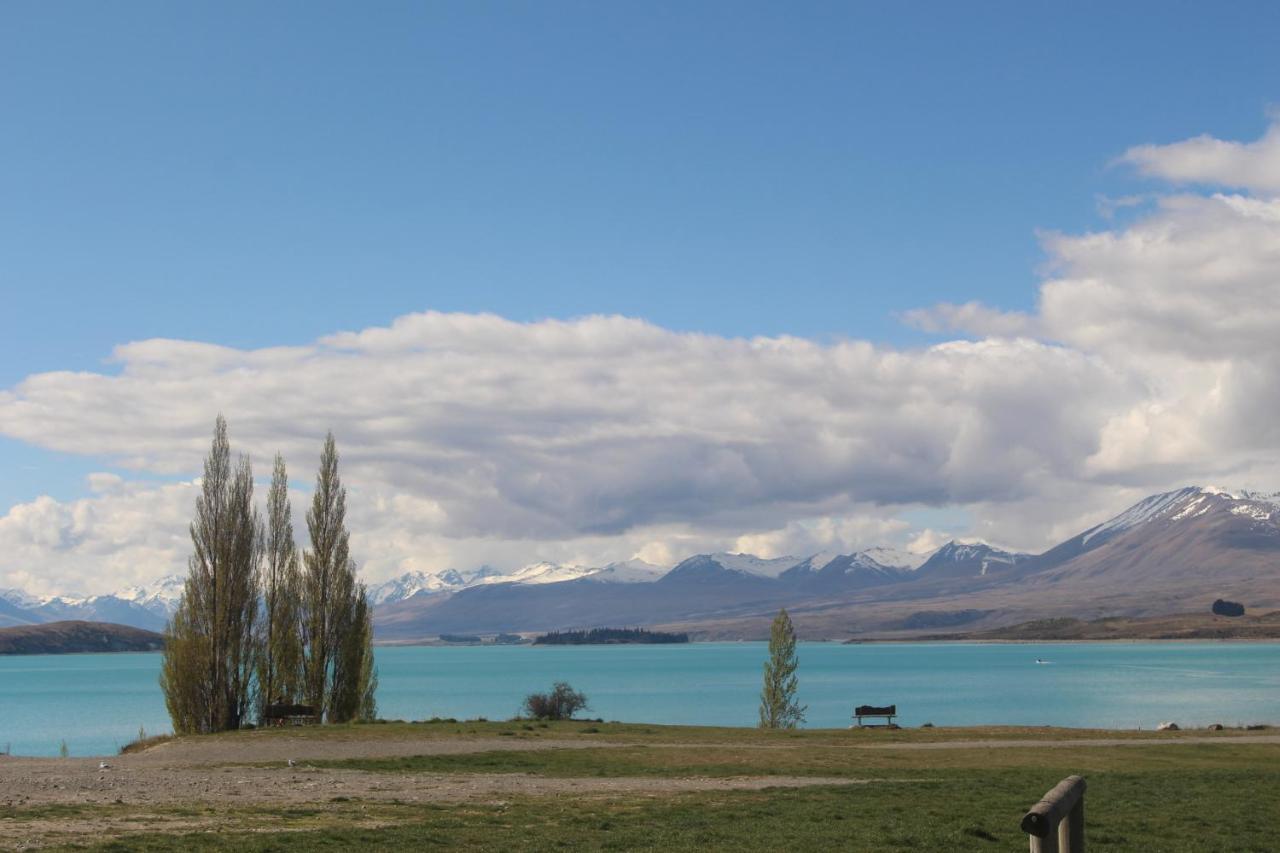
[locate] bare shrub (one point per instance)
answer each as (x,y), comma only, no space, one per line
(560,704)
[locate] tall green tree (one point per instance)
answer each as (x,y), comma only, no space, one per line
(280,649)
(778,706)
(207,674)
(355,678)
(339,678)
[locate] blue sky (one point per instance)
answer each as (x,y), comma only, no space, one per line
(249,173)
(255,174)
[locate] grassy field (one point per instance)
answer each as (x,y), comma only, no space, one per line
(1169,796)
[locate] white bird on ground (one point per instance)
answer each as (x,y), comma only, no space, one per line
(102,765)
(291,762)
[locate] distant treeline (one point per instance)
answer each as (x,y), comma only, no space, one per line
(605,636)
(477,640)
(467,639)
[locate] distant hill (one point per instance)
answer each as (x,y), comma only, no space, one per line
(1186,626)
(55,638)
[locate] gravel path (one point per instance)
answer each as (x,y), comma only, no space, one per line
(292,785)
(217,770)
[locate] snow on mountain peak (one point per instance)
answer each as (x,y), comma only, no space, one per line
(1188,503)
(1149,508)
(628,571)
(895,558)
(753,565)
(821,560)
(19,598)
(412,583)
(542,571)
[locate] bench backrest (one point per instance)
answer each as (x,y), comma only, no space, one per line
(875,711)
(282,711)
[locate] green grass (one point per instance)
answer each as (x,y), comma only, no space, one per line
(1220,796)
(808,760)
(1217,810)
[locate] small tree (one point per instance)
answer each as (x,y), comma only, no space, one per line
(560,704)
(778,707)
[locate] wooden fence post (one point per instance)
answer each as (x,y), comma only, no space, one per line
(1056,823)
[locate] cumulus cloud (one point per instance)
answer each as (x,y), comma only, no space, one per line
(478,426)
(1252,166)
(463,428)
(122,535)
(1150,361)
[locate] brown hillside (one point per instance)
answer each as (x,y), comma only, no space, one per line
(56,638)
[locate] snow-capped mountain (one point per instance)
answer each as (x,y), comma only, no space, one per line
(20,599)
(749,564)
(839,573)
(96,608)
(627,571)
(542,572)
(895,558)
(968,560)
(409,584)
(406,586)
(1168,512)
(161,597)
(1176,505)
(1183,535)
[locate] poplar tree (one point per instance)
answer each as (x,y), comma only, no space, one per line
(207,672)
(778,706)
(280,651)
(339,678)
(354,677)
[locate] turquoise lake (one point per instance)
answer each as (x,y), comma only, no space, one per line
(98,702)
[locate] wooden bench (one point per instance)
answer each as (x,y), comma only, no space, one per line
(888,712)
(282,714)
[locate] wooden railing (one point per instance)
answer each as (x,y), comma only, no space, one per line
(1056,823)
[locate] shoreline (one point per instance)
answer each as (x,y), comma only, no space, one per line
(855,641)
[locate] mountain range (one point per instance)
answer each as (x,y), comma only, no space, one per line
(1167,553)
(147,608)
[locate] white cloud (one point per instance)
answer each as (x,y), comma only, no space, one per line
(972,318)
(128,534)
(1151,361)
(464,429)
(871,526)
(1252,166)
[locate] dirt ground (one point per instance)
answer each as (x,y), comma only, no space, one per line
(228,774)
(250,770)
(212,771)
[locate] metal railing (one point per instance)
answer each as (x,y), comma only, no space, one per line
(1056,823)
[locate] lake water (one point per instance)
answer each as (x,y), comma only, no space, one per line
(98,702)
